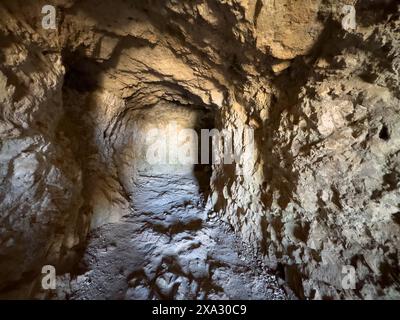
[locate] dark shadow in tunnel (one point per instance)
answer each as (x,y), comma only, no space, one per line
(202,171)
(80,80)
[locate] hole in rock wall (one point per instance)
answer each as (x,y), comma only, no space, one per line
(384,133)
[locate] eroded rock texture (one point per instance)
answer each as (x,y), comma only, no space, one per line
(321,191)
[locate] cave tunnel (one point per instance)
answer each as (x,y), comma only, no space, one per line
(199,150)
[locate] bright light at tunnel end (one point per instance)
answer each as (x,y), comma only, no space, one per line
(174,145)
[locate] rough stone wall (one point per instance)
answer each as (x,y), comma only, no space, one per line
(322,189)
(323,193)
(338,148)
(40,180)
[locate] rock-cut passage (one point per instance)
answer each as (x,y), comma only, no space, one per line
(168,244)
(90,99)
(169,248)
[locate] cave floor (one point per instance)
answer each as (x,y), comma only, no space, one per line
(169,248)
